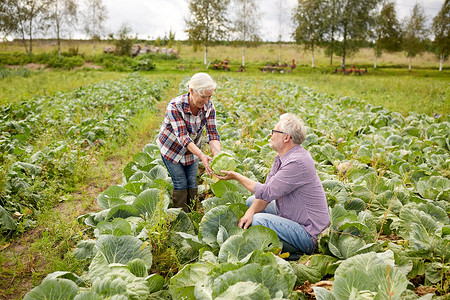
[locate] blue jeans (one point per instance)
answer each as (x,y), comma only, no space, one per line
(288,231)
(183,177)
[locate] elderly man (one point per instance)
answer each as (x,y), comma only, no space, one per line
(292,201)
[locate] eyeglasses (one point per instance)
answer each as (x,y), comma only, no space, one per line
(273,130)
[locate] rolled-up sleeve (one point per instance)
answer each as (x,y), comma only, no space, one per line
(178,124)
(282,183)
(211,128)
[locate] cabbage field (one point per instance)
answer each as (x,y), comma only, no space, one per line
(386,178)
(46,142)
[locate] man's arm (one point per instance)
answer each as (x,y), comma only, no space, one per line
(257,206)
(248,183)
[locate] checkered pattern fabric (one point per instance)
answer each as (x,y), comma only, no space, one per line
(180,127)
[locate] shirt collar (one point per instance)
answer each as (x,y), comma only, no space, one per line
(288,154)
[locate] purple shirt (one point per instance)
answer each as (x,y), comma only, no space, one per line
(294,183)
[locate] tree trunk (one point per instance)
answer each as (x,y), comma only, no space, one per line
(375,62)
(243,55)
(93,46)
(31,37)
(58,38)
(409,68)
(312,52)
(24,41)
(279,55)
(441,61)
(205,60)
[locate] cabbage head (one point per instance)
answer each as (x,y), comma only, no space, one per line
(223,161)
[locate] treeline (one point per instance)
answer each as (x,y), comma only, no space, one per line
(342,27)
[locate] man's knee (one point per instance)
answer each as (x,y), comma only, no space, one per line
(259,219)
(250,200)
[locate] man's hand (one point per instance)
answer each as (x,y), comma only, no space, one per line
(246,220)
(228,175)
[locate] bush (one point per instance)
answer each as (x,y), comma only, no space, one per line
(16,58)
(143,63)
(67,63)
(114,63)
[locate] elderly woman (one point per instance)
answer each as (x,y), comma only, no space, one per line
(180,137)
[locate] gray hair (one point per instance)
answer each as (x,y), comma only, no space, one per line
(200,83)
(291,124)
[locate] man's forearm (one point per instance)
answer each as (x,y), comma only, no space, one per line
(246,182)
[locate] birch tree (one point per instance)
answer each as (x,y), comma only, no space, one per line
(441,31)
(207,22)
(387,31)
(309,22)
(354,25)
(8,22)
(94,17)
(415,33)
(28,16)
(331,20)
(246,23)
(62,15)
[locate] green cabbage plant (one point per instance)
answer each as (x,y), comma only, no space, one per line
(223,161)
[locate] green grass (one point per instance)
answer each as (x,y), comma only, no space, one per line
(47,83)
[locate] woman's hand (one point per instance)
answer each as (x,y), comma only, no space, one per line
(228,175)
(205,160)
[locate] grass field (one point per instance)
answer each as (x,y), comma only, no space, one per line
(422,90)
(28,258)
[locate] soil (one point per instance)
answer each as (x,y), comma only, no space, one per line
(31,66)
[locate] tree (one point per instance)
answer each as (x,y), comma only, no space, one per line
(94,17)
(331,19)
(387,31)
(355,21)
(124,41)
(62,14)
(310,26)
(246,23)
(27,16)
(208,22)
(8,23)
(441,31)
(415,33)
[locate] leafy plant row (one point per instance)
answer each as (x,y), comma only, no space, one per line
(47,142)
(387,186)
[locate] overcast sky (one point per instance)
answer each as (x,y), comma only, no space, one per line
(152,18)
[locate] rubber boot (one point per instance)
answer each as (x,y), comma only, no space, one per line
(192,199)
(180,198)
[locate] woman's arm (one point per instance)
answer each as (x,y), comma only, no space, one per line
(214,145)
(192,147)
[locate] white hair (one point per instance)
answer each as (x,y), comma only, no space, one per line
(200,83)
(291,124)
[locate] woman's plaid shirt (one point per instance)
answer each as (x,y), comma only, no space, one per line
(180,127)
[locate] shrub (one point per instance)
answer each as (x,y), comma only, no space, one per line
(143,63)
